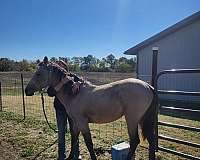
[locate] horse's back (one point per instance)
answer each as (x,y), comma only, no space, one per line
(136,96)
(130,89)
(108,102)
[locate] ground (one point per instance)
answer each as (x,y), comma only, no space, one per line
(23,139)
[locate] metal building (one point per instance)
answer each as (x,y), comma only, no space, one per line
(179,48)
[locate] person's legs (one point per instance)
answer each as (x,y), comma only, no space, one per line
(61,117)
(76,149)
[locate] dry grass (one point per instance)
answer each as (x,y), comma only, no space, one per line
(23,139)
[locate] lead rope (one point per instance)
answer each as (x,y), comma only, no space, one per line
(56,131)
(42,98)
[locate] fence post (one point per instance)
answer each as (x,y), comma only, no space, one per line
(154,65)
(23,100)
(154,84)
(1,108)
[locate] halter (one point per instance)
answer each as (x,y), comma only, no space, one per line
(61,83)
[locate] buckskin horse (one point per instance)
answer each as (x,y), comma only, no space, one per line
(131,98)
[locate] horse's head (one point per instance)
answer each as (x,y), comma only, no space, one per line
(47,74)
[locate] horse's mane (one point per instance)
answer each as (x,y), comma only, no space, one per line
(61,72)
(58,70)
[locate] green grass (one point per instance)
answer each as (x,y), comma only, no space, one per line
(23,139)
(28,137)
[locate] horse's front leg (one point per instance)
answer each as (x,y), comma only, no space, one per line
(74,131)
(88,140)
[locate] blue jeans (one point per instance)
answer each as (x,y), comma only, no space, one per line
(61,117)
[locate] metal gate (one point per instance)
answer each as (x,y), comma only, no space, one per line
(155,78)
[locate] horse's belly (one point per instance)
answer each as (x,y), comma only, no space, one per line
(103,119)
(107,115)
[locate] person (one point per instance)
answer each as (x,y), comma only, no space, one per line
(61,117)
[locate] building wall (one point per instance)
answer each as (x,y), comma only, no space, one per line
(178,50)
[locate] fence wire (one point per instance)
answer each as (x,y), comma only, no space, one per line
(12,101)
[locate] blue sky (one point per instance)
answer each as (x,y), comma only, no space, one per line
(31,29)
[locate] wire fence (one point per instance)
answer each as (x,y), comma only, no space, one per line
(13,100)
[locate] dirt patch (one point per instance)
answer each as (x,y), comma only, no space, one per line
(7,152)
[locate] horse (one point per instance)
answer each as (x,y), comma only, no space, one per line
(132,98)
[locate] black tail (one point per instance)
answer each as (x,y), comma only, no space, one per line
(148,123)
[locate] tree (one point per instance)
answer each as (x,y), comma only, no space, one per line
(6,64)
(124,67)
(53,59)
(123,60)
(65,59)
(37,61)
(89,63)
(103,67)
(24,65)
(132,63)
(110,59)
(77,60)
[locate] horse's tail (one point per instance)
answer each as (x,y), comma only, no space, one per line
(148,121)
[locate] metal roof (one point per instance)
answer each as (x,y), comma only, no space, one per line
(134,50)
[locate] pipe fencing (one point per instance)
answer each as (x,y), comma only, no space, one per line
(185,112)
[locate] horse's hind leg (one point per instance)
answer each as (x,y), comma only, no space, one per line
(134,138)
(151,141)
(88,140)
(134,141)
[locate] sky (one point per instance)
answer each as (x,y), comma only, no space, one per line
(32,29)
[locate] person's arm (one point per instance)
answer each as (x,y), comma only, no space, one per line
(51,92)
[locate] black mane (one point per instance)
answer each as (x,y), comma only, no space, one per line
(60,73)
(55,68)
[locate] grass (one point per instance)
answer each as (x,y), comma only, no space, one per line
(26,138)
(23,139)
(180,134)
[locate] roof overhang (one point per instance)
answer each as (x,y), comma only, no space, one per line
(135,50)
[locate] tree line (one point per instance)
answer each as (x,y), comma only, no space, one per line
(76,64)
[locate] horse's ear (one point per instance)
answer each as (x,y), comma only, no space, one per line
(45,60)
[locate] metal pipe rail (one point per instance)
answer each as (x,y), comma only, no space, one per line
(194,129)
(175,71)
(179,93)
(155,83)
(182,112)
(181,109)
(178,153)
(196,145)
